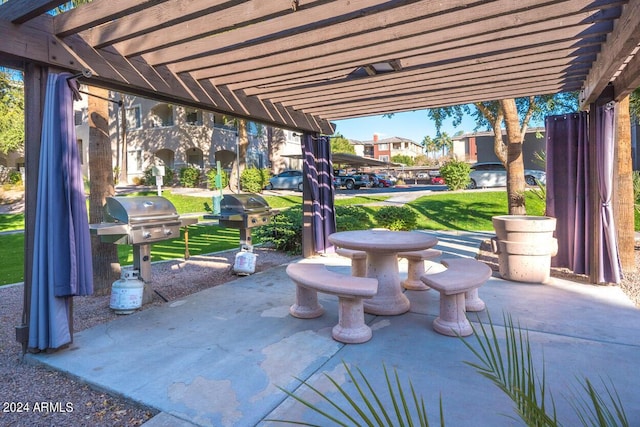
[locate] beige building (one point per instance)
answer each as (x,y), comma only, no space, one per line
(174,136)
(385,149)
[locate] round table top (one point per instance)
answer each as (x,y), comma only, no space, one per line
(383,240)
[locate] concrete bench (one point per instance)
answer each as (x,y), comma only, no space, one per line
(358,261)
(415,267)
(313,278)
(462,276)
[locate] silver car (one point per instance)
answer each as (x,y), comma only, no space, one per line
(287,180)
(494,174)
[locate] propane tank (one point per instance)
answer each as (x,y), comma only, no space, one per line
(126,292)
(245,263)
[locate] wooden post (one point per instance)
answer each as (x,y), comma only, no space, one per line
(623,192)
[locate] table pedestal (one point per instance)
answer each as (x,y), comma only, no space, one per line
(389,300)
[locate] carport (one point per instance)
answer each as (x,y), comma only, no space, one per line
(298,64)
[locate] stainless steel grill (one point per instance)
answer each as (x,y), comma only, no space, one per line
(244,212)
(138,220)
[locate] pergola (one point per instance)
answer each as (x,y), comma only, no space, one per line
(299,64)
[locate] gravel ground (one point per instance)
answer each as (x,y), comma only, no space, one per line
(53,399)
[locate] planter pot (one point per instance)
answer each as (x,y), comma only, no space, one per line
(525,245)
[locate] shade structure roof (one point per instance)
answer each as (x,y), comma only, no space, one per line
(303,63)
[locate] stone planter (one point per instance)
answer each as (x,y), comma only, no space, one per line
(524,245)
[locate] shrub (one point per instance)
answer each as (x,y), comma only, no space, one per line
(396,218)
(285,228)
(211,177)
(456,174)
(251,180)
(284,231)
(150,179)
(190,177)
(352,218)
(266,175)
(137,180)
(15,177)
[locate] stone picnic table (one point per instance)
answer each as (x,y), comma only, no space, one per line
(382,248)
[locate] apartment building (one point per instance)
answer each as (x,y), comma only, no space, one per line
(146,133)
(386,148)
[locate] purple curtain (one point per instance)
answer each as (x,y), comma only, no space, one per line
(609,262)
(319,173)
(567,195)
(62,246)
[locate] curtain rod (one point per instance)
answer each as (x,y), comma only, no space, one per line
(85,73)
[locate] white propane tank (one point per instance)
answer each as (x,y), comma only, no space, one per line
(126,292)
(245,262)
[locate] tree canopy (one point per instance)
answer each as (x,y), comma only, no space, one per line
(11,111)
(340,144)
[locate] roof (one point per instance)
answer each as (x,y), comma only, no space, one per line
(303,63)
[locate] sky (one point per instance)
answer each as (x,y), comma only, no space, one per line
(413,125)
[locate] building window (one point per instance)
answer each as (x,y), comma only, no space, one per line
(162,115)
(397,146)
(193,117)
(134,117)
(383,147)
(77,117)
(383,158)
(134,161)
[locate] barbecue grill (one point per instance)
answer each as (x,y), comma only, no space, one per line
(244,212)
(140,221)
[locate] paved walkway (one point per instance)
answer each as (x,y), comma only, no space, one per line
(217,358)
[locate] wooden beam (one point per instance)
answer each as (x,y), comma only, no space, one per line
(295,25)
(98,12)
(629,78)
(144,37)
(408,42)
(160,22)
(411,51)
(617,49)
(21,11)
(439,77)
(422,101)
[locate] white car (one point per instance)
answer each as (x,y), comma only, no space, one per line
(287,180)
(494,174)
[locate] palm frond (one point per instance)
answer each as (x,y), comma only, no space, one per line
(372,412)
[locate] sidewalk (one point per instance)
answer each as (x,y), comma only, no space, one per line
(217,358)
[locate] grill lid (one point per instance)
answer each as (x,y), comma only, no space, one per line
(139,209)
(247,202)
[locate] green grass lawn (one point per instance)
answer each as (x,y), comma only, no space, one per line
(467,211)
(11,222)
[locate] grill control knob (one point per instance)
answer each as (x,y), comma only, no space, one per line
(146,234)
(253,221)
(168,232)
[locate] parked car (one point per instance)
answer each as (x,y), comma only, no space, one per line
(437,180)
(287,180)
(351,181)
(494,174)
(423,175)
(380,181)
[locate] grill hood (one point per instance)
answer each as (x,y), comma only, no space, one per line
(141,209)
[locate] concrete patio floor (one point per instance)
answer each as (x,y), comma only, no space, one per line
(217,358)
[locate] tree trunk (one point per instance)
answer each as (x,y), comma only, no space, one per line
(241,156)
(623,195)
(106,268)
(515,160)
